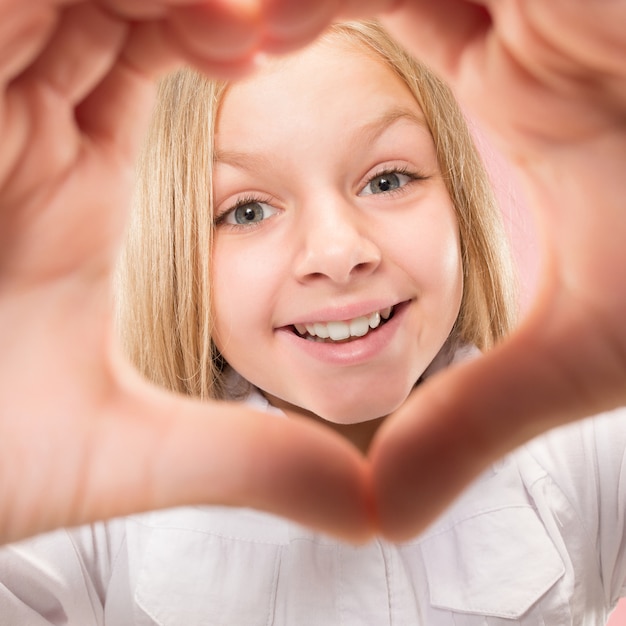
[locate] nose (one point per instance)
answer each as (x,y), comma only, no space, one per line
(337,243)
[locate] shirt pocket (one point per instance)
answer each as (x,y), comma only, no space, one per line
(495,567)
(197,578)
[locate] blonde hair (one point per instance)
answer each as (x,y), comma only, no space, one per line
(165,311)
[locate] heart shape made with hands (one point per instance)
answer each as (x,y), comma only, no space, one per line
(108,445)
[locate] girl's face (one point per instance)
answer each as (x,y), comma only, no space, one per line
(337,270)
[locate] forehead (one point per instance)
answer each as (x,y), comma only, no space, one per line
(332,83)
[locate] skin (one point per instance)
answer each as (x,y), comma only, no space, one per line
(329,248)
(557,98)
(82,438)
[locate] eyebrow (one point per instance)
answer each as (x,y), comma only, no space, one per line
(366,134)
(241,160)
(369,132)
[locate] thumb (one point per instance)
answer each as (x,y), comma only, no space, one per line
(147,449)
(460,421)
(227,454)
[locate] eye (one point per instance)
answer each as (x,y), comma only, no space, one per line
(247,212)
(386,182)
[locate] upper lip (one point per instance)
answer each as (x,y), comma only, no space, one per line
(343,313)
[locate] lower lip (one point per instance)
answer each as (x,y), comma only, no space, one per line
(352,352)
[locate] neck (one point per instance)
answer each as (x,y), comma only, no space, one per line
(360,434)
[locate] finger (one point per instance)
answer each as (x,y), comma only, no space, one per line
(367,8)
(290,25)
(151,450)
(83,47)
(218,39)
(589,34)
(24,32)
(117,111)
(439,33)
(463,420)
(571,51)
(219,32)
(141,9)
(290,467)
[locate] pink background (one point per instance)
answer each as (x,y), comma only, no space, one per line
(526,251)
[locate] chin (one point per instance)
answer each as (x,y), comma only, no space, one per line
(362,410)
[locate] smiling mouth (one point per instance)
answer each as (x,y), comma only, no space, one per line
(343,332)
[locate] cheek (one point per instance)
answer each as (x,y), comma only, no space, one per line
(227,292)
(242,287)
(429,251)
(445,268)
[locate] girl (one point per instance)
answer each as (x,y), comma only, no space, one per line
(326,240)
(181,337)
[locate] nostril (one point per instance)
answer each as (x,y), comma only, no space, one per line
(338,254)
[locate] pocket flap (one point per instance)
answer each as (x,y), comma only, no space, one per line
(196,578)
(497,563)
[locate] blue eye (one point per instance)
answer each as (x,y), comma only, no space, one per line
(247,213)
(385,183)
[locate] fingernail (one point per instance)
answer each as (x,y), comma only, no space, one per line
(219,32)
(286,19)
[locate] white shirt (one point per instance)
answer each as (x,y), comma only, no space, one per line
(539,539)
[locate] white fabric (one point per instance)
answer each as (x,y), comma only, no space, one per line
(537,540)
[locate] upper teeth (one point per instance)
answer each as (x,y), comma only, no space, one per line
(338,331)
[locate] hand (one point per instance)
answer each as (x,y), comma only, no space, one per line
(81,436)
(69,140)
(548,79)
